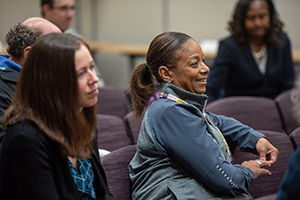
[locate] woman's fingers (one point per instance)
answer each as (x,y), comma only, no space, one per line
(264,163)
(264,171)
(256,167)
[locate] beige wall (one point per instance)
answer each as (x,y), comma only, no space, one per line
(139,21)
(14,11)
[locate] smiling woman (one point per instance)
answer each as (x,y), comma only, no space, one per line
(182,151)
(191,72)
(51,126)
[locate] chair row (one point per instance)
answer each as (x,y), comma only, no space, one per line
(264,187)
(113,101)
(259,112)
(116,124)
(114,132)
(274,118)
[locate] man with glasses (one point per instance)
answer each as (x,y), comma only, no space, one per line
(60,13)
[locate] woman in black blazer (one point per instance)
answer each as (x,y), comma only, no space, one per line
(256,60)
(50,150)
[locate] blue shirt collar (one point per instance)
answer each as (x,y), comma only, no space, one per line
(6,63)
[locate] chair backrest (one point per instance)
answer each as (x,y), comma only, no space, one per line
(111,132)
(268,197)
(285,107)
(112,101)
(133,126)
(295,137)
(115,166)
(266,184)
(257,112)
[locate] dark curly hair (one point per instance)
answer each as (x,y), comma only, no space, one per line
(237,25)
(19,37)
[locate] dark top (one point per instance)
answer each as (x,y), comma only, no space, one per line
(290,185)
(9,74)
(235,70)
(8,81)
(32,167)
(181,153)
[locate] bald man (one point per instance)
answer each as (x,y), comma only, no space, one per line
(41,24)
(19,39)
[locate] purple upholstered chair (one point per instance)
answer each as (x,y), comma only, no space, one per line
(268,197)
(266,185)
(112,101)
(295,137)
(257,112)
(133,126)
(115,166)
(111,132)
(285,107)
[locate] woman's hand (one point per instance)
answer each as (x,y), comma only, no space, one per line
(255,165)
(266,151)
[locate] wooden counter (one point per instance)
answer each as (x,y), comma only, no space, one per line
(135,50)
(141,50)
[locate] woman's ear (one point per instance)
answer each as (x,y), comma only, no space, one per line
(164,73)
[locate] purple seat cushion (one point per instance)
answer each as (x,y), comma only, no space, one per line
(268,197)
(111,132)
(112,101)
(295,137)
(133,126)
(285,107)
(257,112)
(115,166)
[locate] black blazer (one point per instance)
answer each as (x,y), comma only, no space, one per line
(8,81)
(31,167)
(236,71)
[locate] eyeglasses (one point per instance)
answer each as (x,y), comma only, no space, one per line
(65,8)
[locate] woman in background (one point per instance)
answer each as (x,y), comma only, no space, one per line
(181,150)
(256,60)
(49,150)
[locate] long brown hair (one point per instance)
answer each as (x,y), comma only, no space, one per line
(47,94)
(164,50)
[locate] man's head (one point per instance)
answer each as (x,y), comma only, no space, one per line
(59,12)
(38,23)
(20,37)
